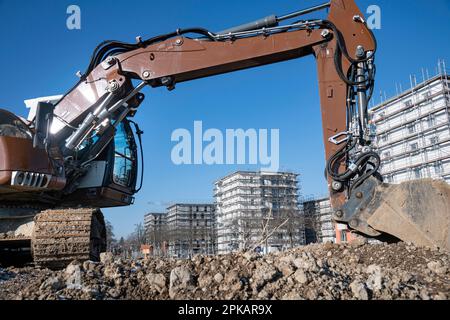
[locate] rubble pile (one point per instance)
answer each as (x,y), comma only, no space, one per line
(326,271)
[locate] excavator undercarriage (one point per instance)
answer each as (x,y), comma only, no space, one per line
(55,237)
(61,236)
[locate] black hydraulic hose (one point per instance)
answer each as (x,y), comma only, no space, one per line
(372,85)
(343,177)
(344,49)
(369,173)
(362,160)
(101,51)
(340,48)
(115,47)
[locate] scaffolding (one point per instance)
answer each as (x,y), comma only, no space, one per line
(250,203)
(413,130)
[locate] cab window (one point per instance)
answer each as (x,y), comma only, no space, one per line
(124,156)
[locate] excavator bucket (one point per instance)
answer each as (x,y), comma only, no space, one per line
(414,211)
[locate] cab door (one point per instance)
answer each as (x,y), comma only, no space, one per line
(125,158)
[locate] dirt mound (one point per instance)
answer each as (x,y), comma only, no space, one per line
(327,271)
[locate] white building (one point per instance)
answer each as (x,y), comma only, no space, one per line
(320,227)
(327,225)
(413,132)
(258,210)
(155,224)
(191,229)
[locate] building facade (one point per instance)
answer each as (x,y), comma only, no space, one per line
(155,224)
(191,230)
(258,211)
(413,132)
(319,224)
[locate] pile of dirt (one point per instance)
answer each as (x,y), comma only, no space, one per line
(326,271)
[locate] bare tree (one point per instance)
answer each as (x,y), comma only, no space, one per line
(134,240)
(312,222)
(139,231)
(110,237)
(282,227)
(158,236)
(269,226)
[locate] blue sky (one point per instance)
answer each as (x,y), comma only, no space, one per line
(40,56)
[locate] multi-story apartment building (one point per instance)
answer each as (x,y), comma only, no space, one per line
(155,224)
(319,226)
(413,132)
(191,230)
(258,210)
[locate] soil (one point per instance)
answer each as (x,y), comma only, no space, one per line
(326,271)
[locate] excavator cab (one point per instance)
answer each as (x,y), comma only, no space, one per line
(111,178)
(34,214)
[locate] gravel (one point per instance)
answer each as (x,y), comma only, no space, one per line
(326,271)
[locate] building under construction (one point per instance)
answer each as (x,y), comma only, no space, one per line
(155,224)
(191,230)
(319,225)
(258,211)
(413,131)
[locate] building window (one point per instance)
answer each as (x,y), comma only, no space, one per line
(431,120)
(417,173)
(438,167)
(343,236)
(414,146)
(384,138)
(408,103)
(434,141)
(412,128)
(125,158)
(387,154)
(426,95)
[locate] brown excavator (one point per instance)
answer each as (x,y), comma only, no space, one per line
(79,153)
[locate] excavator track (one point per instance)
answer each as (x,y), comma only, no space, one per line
(63,235)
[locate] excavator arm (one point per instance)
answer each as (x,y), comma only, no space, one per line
(107,87)
(344,49)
